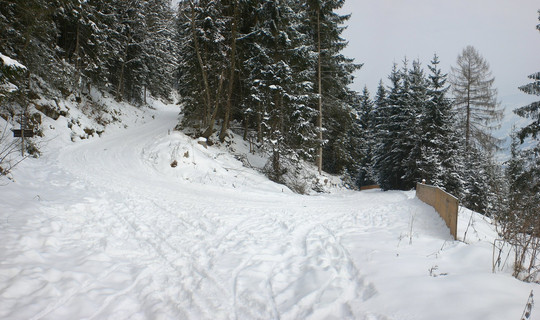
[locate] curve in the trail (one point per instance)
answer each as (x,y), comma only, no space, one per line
(216,250)
(132,241)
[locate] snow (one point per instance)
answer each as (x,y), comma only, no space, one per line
(106,228)
(11,63)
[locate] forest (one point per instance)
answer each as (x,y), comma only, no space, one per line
(273,72)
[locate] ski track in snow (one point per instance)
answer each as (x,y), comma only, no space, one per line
(108,236)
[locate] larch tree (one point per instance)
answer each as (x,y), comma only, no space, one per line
(475,100)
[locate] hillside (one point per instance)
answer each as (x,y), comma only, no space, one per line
(105,228)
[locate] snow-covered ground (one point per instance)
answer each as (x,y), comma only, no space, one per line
(105,228)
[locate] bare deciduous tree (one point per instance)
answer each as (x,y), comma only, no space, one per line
(476,99)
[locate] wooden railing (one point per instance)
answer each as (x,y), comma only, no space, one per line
(444,203)
(374,186)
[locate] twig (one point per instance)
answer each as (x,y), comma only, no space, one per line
(528,307)
(467,229)
(411,231)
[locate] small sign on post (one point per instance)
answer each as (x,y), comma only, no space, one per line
(20,133)
(23,132)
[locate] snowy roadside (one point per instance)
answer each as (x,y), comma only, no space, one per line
(107,229)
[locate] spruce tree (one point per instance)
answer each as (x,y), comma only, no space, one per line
(442,152)
(415,137)
(203,64)
(522,218)
(12,74)
(158,52)
(332,78)
(387,156)
(366,124)
(29,36)
(531,111)
(414,131)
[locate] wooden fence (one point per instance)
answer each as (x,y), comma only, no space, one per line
(444,203)
(374,186)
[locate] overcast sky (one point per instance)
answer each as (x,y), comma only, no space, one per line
(381,32)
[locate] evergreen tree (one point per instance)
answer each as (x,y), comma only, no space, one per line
(366,124)
(387,156)
(415,122)
(284,80)
(531,111)
(159,58)
(264,74)
(441,153)
(521,219)
(400,135)
(276,79)
(29,36)
(479,181)
(203,65)
(414,131)
(11,80)
(523,172)
(530,158)
(332,78)
(116,46)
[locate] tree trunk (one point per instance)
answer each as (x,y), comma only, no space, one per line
(120,89)
(319,119)
(207,102)
(259,124)
(246,127)
(226,118)
(208,132)
(77,63)
(468,115)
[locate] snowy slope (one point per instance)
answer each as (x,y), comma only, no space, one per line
(106,229)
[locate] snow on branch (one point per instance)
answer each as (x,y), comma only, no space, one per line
(11,63)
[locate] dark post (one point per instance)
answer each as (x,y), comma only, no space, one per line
(23,126)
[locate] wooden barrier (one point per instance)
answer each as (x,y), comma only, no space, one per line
(374,186)
(444,203)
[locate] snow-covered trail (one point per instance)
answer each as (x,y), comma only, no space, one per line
(211,251)
(102,231)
